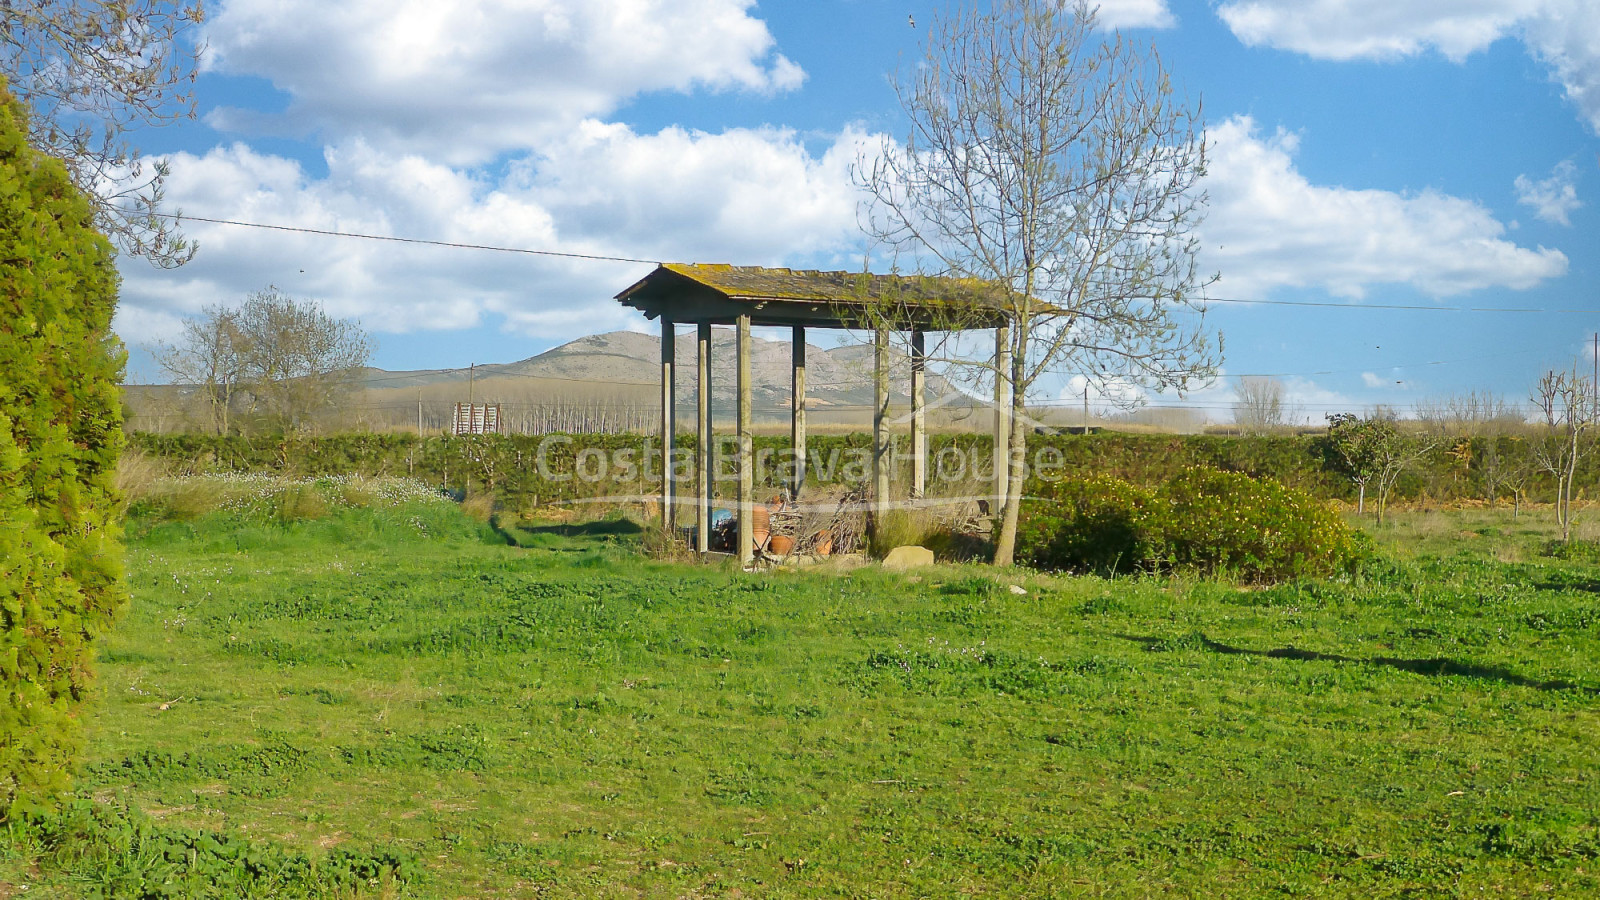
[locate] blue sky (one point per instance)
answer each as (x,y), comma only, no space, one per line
(1365,153)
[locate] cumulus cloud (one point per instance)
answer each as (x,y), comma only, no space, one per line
(1371,379)
(1564,34)
(744,195)
(1135,14)
(1552,199)
(750,195)
(1269,227)
(466,81)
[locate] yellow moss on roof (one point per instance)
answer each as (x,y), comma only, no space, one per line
(758,282)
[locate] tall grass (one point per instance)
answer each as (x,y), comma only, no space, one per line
(154,496)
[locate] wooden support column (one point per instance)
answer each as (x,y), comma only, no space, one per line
(1002,415)
(669,420)
(919,416)
(702,448)
(880,435)
(747,473)
(797,420)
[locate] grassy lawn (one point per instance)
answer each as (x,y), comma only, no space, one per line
(561,718)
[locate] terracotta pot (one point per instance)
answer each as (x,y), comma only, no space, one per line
(824,543)
(759,538)
(780,544)
(760,519)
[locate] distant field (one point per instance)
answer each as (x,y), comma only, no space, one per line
(561,718)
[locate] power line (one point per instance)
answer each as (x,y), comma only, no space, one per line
(1393,306)
(179,217)
(405,240)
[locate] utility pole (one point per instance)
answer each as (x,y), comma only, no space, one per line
(472,371)
(419,410)
(1085,405)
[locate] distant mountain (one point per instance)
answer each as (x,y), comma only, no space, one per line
(602,382)
(628,364)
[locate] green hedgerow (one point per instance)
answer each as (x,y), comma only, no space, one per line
(1204,520)
(60,434)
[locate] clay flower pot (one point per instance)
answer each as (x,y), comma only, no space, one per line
(824,543)
(780,544)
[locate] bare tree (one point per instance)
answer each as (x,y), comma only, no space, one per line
(275,362)
(1055,165)
(301,361)
(1516,468)
(1471,414)
(91,71)
(211,355)
(1565,400)
(1260,407)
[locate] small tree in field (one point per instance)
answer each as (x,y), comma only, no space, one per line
(276,361)
(1565,400)
(211,355)
(1260,407)
(1373,451)
(1057,167)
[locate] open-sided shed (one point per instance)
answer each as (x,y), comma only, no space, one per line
(746,296)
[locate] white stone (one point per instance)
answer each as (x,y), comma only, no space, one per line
(909,557)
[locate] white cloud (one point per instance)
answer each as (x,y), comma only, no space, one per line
(1135,14)
(743,195)
(754,196)
(465,81)
(1564,34)
(1371,380)
(1269,227)
(1553,198)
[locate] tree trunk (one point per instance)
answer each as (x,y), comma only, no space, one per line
(1361,498)
(1566,491)
(1005,546)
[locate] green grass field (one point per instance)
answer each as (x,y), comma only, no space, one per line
(396,702)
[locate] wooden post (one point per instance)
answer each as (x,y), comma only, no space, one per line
(747,487)
(919,418)
(703,446)
(1002,415)
(669,420)
(797,420)
(880,443)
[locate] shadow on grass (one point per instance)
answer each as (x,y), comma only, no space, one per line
(1587,585)
(602,528)
(572,537)
(1436,666)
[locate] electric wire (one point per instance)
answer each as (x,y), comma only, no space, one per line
(179,217)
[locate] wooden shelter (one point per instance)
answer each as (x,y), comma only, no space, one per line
(747,296)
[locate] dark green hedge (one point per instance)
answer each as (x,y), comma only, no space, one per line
(60,434)
(1452,471)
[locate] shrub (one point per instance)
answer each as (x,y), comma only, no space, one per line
(1092,524)
(903,527)
(60,434)
(1257,529)
(1204,520)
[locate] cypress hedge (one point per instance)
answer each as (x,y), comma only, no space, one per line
(60,435)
